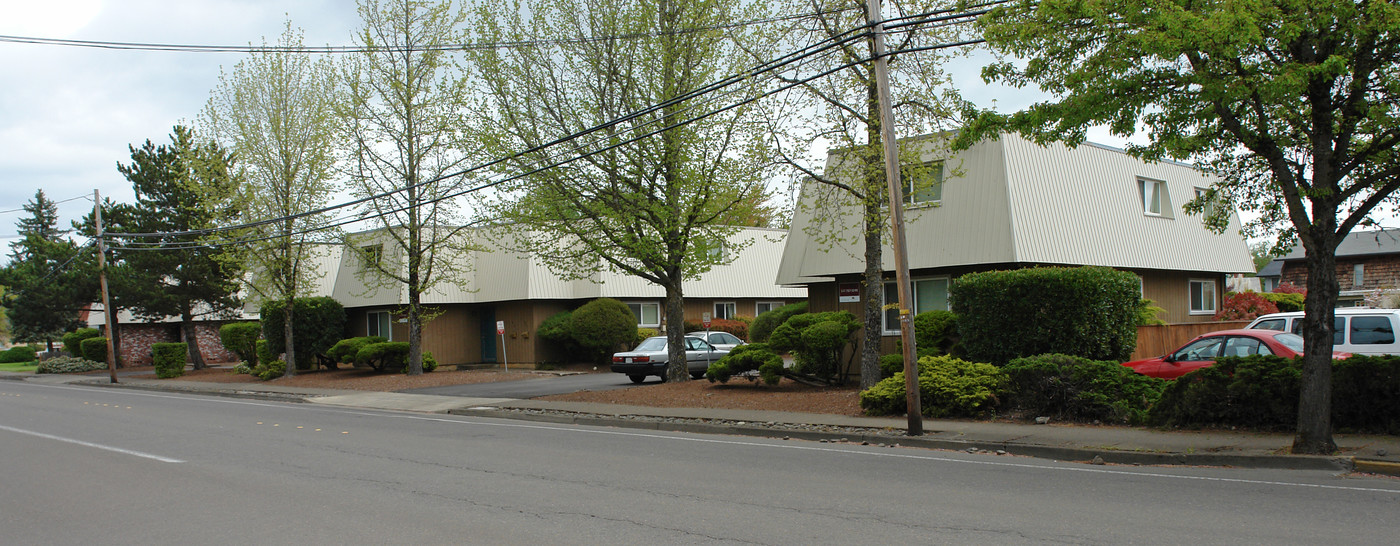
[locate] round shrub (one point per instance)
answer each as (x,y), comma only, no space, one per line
(169,359)
(557,332)
(95,349)
(270,369)
(816,341)
(766,322)
(602,327)
(948,387)
(241,338)
(73,341)
(344,351)
(745,358)
(936,332)
(1071,388)
(891,364)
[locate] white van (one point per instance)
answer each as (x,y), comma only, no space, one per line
(1357,330)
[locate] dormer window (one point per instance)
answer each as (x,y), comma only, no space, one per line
(1155,201)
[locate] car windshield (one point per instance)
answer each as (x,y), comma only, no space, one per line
(652,344)
(1292,341)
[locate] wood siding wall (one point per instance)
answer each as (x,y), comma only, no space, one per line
(1154,341)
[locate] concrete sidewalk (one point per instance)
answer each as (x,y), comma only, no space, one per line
(1070,442)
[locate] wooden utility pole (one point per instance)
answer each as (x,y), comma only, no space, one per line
(102,280)
(896,192)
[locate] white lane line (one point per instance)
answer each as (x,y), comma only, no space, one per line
(90,444)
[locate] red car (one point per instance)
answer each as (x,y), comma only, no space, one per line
(1202,351)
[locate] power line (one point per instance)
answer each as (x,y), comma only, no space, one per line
(21,209)
(944,16)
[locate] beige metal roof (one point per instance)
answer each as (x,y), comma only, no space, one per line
(1012,201)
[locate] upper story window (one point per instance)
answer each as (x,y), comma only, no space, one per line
(1358,275)
(1155,201)
(370,256)
(1204,193)
(923,184)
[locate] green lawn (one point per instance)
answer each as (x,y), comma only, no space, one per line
(19,367)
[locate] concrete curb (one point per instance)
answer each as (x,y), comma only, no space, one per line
(1069,454)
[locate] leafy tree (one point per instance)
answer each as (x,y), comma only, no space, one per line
(277,112)
(651,192)
(182,189)
(405,137)
(49,278)
(1262,252)
(1292,102)
(848,200)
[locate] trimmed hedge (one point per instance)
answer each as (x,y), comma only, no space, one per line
(1071,388)
(948,387)
(169,359)
(936,333)
(1258,392)
(318,323)
(391,355)
(745,358)
(344,351)
(765,323)
(1366,394)
(241,338)
(73,341)
(95,349)
(18,353)
(1285,301)
(1085,311)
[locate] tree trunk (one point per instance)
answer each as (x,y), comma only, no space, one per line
(1314,432)
(191,340)
(415,333)
(288,345)
(676,369)
(873,294)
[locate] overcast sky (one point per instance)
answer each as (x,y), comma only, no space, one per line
(67,114)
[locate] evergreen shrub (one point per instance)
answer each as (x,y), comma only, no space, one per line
(816,341)
(95,349)
(1258,392)
(1085,311)
(602,327)
(766,322)
(318,323)
(73,341)
(1071,388)
(18,353)
(746,358)
(69,364)
(241,338)
(169,359)
(948,387)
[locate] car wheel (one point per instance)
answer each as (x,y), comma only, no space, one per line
(697,375)
(637,378)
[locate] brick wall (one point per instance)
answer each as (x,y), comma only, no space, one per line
(1380,271)
(137,339)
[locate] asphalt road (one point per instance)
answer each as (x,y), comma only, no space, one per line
(120,466)
(531,388)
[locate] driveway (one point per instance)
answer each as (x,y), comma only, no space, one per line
(531,388)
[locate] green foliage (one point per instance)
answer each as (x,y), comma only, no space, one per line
(1244,306)
(48,278)
(892,364)
(169,359)
(816,341)
(1147,313)
(242,368)
(391,355)
(1285,301)
(345,350)
(270,369)
(643,333)
(73,341)
(936,333)
(1071,388)
(264,353)
(948,387)
(557,332)
(734,326)
(1084,311)
(1258,392)
(69,364)
(317,324)
(241,338)
(18,353)
(745,358)
(765,323)
(95,349)
(1366,394)
(602,327)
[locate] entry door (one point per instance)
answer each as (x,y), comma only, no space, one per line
(488,334)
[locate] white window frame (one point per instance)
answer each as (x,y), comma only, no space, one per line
(771,306)
(371,256)
(893,329)
(638,306)
(387,333)
(935,190)
(1209,207)
(730,308)
(717,252)
(1191,297)
(1163,202)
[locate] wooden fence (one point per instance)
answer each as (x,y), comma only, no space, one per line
(1159,340)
